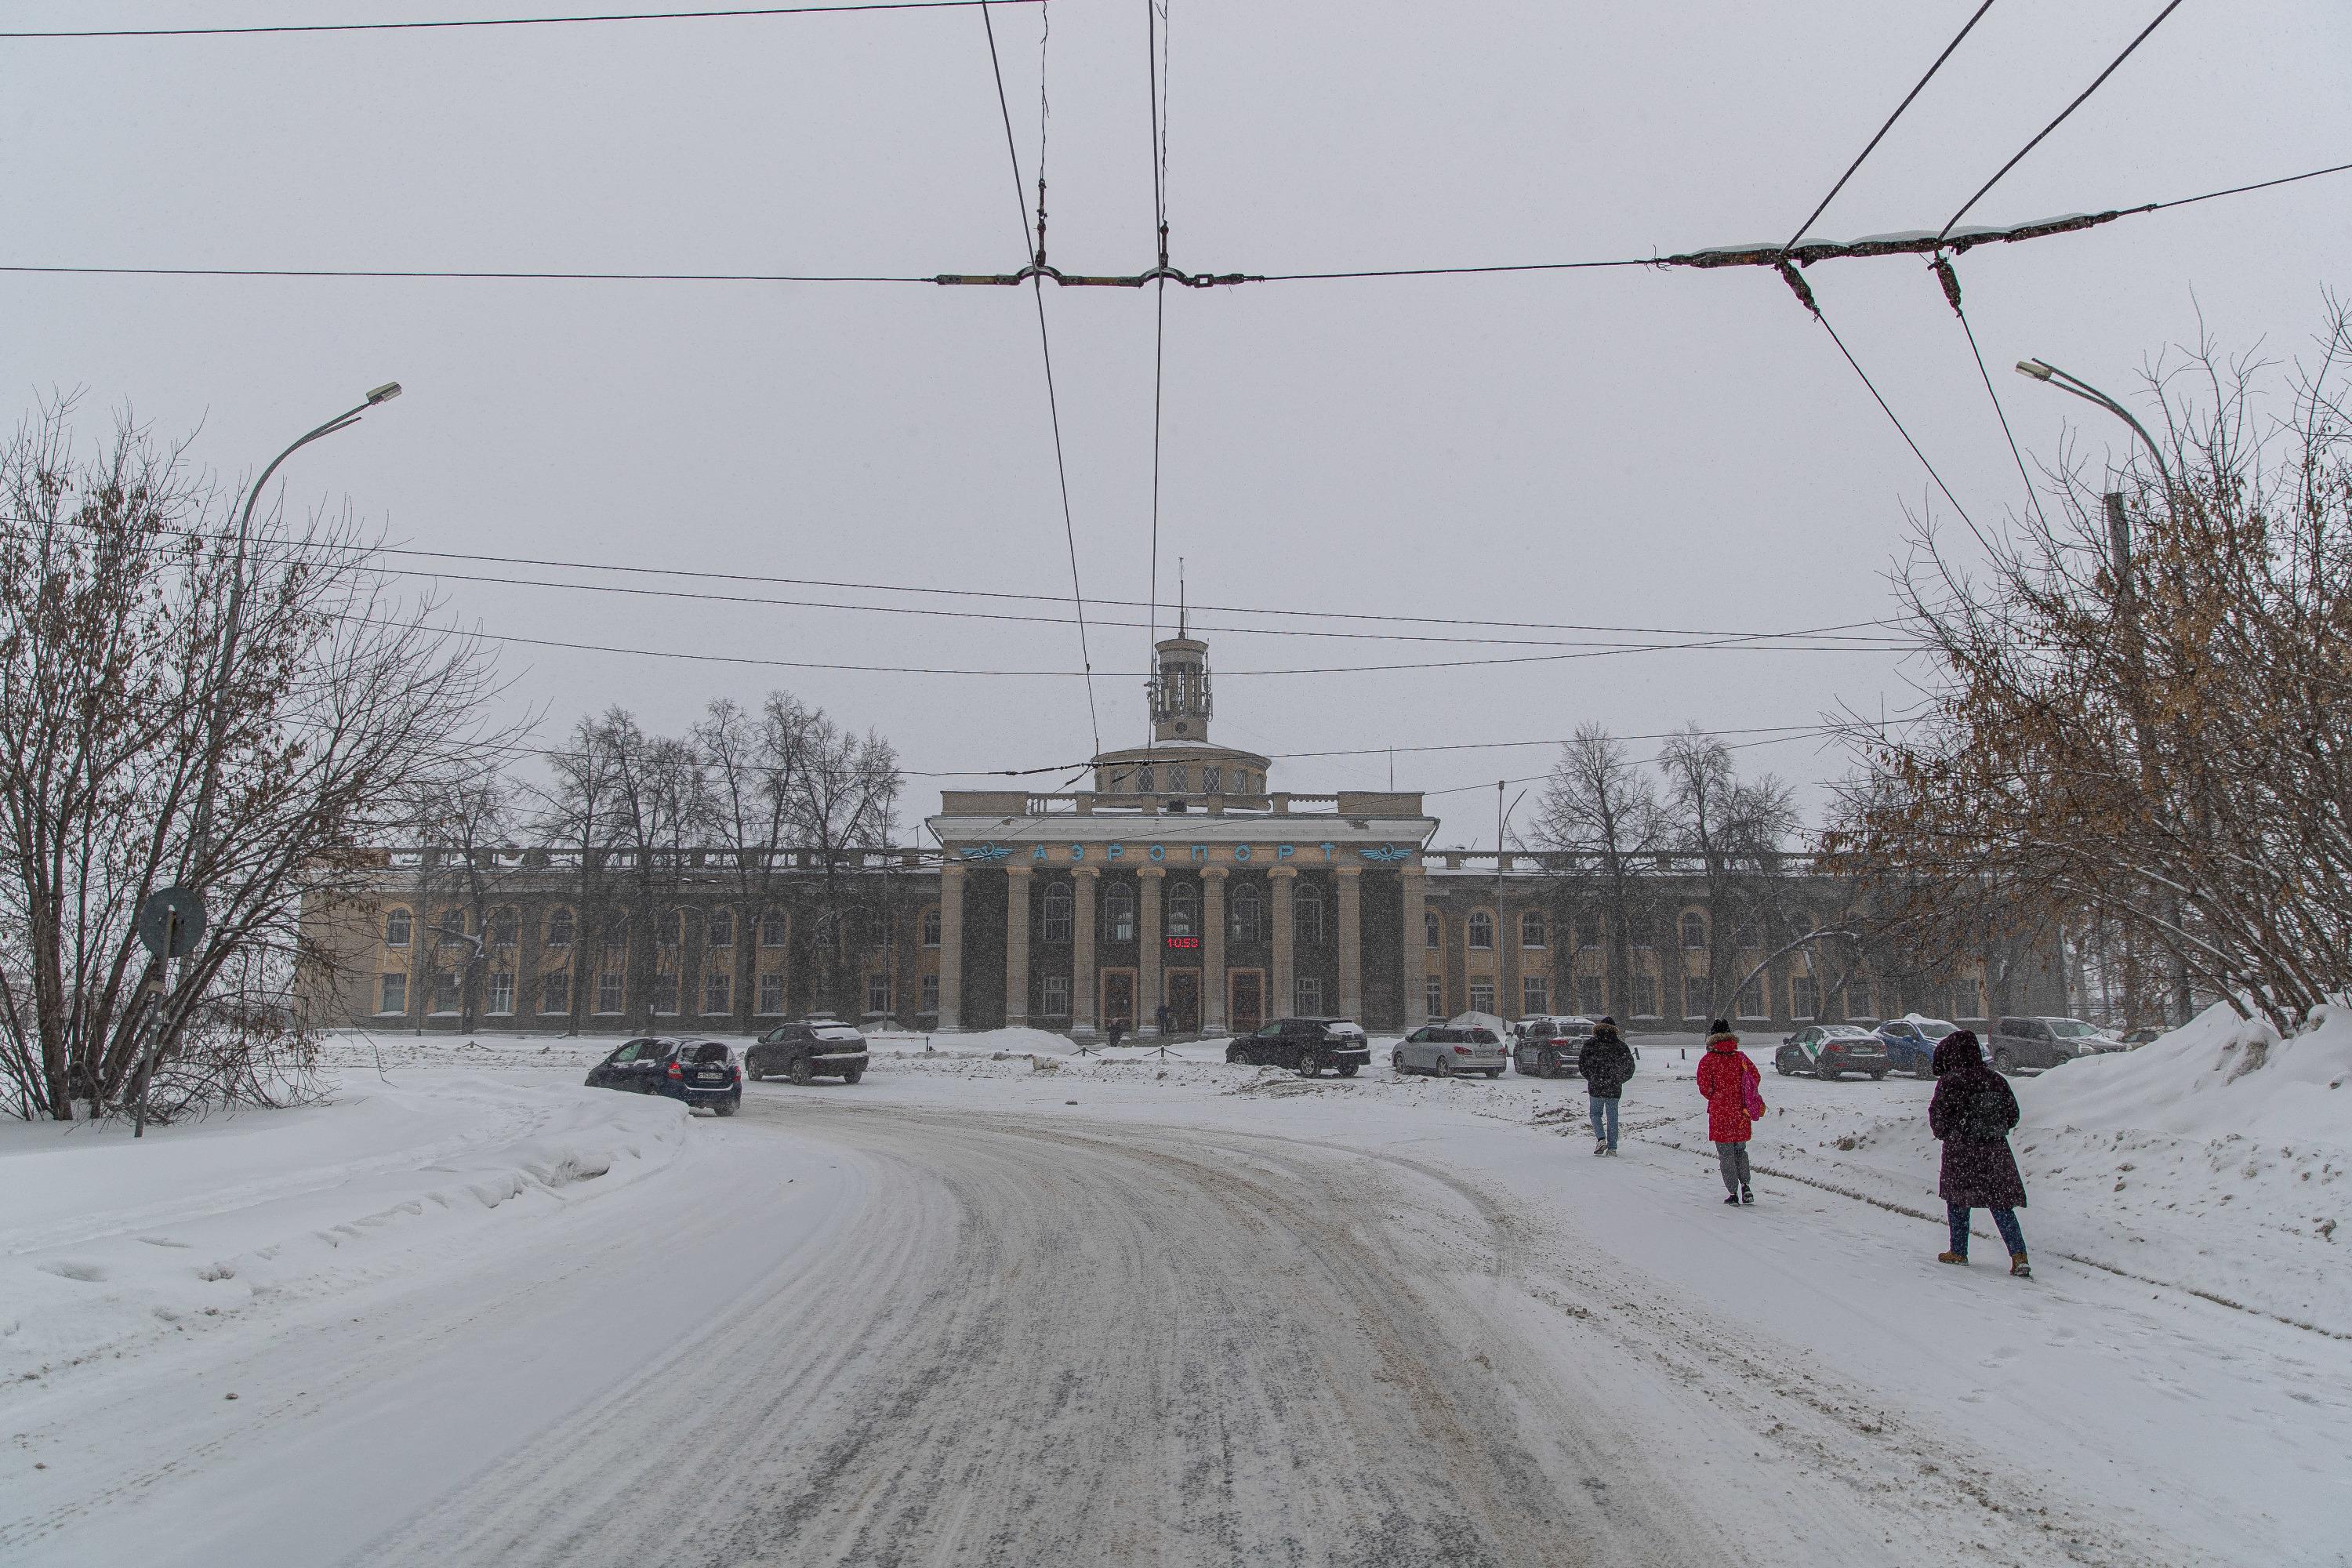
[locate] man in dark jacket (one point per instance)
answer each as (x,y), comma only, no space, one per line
(1606,1062)
(1972,1111)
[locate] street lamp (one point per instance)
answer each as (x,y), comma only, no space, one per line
(2043,371)
(199,840)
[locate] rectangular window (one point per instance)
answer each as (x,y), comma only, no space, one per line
(555,992)
(608,991)
(772,930)
(1531,930)
(718,993)
(1535,995)
(1177,780)
(930,994)
(1645,995)
(1309,995)
(931,928)
(1433,996)
(395,993)
(501,995)
(1695,997)
(445,991)
(1804,997)
(772,994)
(665,993)
(1055,995)
(877,993)
(1588,996)
(1751,1001)
(1481,927)
(1212,781)
(720,927)
(1481,997)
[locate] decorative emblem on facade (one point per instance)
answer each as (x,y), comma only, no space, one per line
(1387,854)
(984,852)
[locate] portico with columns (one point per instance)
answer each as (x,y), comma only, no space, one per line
(1182,892)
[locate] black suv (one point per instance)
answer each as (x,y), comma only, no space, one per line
(803,1050)
(699,1072)
(1552,1047)
(1305,1045)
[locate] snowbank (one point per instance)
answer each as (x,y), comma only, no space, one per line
(2214,1077)
(108,1242)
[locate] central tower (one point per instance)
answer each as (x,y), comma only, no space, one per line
(1179,689)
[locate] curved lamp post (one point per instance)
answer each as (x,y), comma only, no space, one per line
(2043,371)
(201,839)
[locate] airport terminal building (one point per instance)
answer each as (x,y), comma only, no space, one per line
(1182,887)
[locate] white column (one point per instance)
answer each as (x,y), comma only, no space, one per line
(1149,880)
(1352,943)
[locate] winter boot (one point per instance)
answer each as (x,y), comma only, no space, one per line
(1747,1194)
(1733,1200)
(1960,1258)
(1601,1148)
(2019,1268)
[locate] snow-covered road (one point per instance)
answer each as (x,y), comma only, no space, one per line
(969,1313)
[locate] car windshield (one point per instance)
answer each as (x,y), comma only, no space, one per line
(2071,1029)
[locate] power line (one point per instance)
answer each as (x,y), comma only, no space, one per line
(2170,8)
(397,274)
(1917,88)
(1950,279)
(1156,78)
(711,16)
(1045,340)
(2240,190)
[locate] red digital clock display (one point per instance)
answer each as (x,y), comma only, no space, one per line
(1183,943)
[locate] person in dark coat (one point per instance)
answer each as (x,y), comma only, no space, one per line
(1972,1111)
(1606,1062)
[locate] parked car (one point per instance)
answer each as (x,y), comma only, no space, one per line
(803,1051)
(2043,1043)
(1828,1050)
(1911,1044)
(699,1072)
(1305,1045)
(1447,1049)
(1548,1047)
(2133,1039)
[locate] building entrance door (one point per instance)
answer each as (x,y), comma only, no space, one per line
(1119,998)
(1247,1008)
(1184,1001)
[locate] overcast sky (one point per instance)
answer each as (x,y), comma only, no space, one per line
(1630,447)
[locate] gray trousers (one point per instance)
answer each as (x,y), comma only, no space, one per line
(1733,1157)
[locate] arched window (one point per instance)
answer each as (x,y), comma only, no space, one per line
(616,942)
(719,931)
(396,929)
(1531,929)
(504,923)
(771,927)
(1694,929)
(1245,914)
(1482,929)
(1057,911)
(561,925)
(1183,909)
(1119,911)
(1307,913)
(931,926)
(1433,930)
(670,931)
(453,925)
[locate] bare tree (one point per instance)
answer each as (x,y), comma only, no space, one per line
(2138,713)
(471,819)
(841,799)
(754,763)
(1737,830)
(115,574)
(1600,812)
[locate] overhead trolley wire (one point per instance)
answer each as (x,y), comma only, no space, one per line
(1045,340)
(730,13)
(1915,89)
(2113,66)
(1156,80)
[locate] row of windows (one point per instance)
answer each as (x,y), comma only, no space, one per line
(1534,932)
(1966,998)
(1245,912)
(555,994)
(505,924)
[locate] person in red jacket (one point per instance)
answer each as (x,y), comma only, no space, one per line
(1734,1100)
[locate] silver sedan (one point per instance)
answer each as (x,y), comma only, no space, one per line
(1447,1050)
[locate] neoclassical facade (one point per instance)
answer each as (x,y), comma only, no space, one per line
(1181,888)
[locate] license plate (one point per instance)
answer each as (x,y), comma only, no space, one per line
(711,1077)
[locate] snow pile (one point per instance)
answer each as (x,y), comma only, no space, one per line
(109,1242)
(2216,1075)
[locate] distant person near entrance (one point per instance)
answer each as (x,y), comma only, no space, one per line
(1606,1062)
(1117,1031)
(1165,1015)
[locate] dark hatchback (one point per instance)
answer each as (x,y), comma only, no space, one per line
(1305,1045)
(698,1072)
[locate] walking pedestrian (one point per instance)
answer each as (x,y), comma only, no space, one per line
(1972,1111)
(1606,1062)
(1118,1032)
(1735,1099)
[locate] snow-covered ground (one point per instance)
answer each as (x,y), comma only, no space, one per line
(437,1302)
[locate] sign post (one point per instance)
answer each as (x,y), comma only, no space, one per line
(171,922)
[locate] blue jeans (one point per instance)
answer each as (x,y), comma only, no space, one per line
(2004,1221)
(1604,1120)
